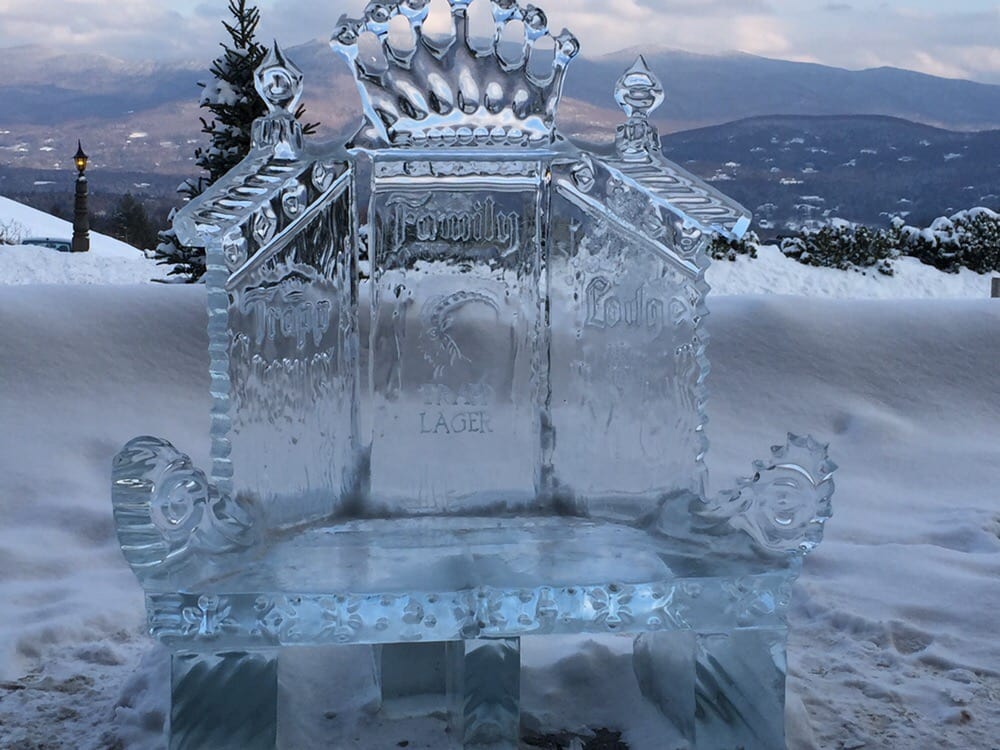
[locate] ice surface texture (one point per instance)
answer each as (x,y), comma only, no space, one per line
(492,428)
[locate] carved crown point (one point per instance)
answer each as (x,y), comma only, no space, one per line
(278,81)
(569,45)
(535,19)
(378,12)
(347,31)
(437,89)
(639,91)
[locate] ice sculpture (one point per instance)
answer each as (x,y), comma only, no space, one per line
(499,432)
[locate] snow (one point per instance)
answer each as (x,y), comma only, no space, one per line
(31,264)
(772,272)
(109,261)
(894,618)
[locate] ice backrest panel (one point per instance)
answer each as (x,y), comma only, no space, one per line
(627,366)
(293,368)
(457,337)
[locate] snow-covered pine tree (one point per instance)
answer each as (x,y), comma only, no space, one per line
(234,103)
(130,223)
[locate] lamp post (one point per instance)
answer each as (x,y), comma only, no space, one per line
(81,216)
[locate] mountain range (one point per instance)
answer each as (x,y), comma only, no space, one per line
(793,128)
(793,171)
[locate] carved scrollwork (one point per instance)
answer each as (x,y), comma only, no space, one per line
(784,505)
(165,509)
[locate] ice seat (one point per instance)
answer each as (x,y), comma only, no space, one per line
(458,374)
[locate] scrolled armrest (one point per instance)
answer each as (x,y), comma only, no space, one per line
(784,505)
(165,509)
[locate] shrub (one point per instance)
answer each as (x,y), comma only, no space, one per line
(723,249)
(969,239)
(11,232)
(844,246)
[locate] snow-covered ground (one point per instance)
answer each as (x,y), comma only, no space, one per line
(109,261)
(894,620)
(773,273)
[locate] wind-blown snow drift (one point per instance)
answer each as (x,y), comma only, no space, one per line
(894,622)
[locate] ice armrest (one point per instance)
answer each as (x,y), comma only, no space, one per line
(166,510)
(784,505)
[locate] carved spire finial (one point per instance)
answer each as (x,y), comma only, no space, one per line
(639,93)
(278,81)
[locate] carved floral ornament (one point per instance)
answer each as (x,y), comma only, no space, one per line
(484,612)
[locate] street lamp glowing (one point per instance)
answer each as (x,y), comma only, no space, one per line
(80,159)
(81,213)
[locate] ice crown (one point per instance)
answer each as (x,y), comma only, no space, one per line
(423,90)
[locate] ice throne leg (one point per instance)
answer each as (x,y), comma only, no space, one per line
(740,690)
(224,701)
(484,692)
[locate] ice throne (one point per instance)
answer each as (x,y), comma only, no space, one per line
(458,369)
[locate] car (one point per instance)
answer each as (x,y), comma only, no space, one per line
(62,245)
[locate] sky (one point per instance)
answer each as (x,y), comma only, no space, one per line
(952,38)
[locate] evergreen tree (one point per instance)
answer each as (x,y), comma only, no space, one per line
(234,104)
(130,223)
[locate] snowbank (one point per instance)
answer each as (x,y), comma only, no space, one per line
(109,261)
(894,622)
(114,262)
(772,272)
(28,264)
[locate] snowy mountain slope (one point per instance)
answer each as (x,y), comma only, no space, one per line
(131,115)
(793,170)
(108,261)
(893,642)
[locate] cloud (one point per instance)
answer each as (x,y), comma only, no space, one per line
(129,28)
(957,39)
